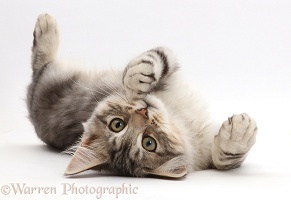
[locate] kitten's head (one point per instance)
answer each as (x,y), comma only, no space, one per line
(132,139)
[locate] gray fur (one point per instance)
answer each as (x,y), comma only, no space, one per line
(68,106)
(57,109)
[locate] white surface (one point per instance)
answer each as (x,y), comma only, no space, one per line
(238,52)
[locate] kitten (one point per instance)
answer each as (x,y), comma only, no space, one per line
(142,121)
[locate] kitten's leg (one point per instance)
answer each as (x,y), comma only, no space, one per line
(46,41)
(235,138)
(148,72)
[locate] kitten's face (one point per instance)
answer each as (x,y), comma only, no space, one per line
(134,139)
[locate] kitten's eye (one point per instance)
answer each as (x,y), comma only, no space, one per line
(117,125)
(149,143)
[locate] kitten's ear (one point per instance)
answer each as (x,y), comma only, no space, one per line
(84,159)
(170,169)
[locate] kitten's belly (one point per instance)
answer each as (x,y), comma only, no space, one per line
(190,110)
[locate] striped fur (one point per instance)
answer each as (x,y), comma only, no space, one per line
(70,107)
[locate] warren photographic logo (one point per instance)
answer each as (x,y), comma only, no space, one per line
(68,189)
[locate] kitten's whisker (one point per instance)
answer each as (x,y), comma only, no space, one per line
(110,86)
(88,87)
(99,86)
(108,93)
(107,87)
(91,89)
(125,95)
(94,96)
(163,125)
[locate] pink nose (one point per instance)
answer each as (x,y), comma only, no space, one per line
(143,112)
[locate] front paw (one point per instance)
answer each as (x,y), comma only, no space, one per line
(237,134)
(139,78)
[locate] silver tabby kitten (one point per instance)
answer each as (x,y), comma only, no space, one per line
(142,121)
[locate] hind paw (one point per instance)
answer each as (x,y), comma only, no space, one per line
(46,40)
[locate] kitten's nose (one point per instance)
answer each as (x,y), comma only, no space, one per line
(143,112)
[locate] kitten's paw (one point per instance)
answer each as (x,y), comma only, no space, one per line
(46,37)
(149,72)
(237,134)
(139,78)
(46,30)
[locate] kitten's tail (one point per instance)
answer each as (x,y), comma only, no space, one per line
(46,41)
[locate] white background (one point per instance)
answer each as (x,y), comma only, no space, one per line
(237,52)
